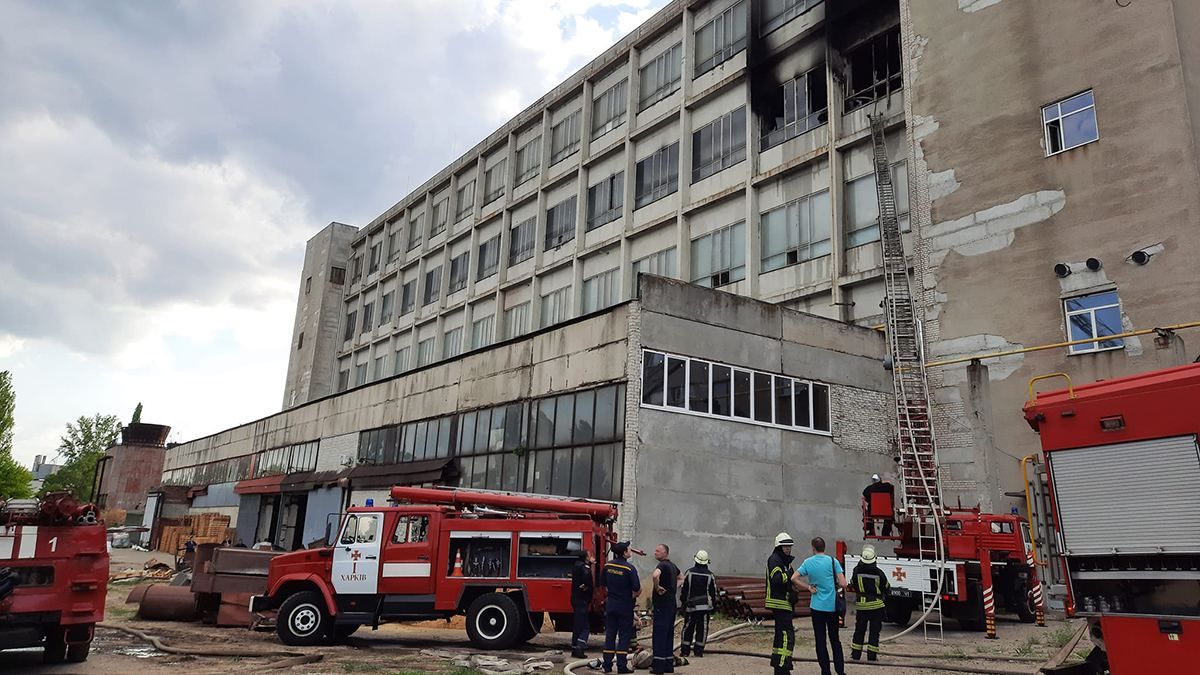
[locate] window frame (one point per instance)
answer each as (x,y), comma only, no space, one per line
(725,43)
(522,246)
(460,272)
(465,198)
(488,262)
(811,120)
(857,99)
(566,137)
(497,172)
(725,144)
(768,25)
(532,152)
(610,108)
(804,248)
(559,234)
(665,159)
(432,288)
(662,65)
(1095,345)
(714,276)
(1060,116)
(610,191)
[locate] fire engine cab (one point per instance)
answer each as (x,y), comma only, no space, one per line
(503,560)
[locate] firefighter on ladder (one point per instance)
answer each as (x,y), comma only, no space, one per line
(781,600)
(698,596)
(871,587)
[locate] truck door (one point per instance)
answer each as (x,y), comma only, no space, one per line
(356,556)
(408,557)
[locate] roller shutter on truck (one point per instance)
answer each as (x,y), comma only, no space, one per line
(1136,497)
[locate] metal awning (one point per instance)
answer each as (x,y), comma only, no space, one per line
(310,480)
(267,485)
(407,473)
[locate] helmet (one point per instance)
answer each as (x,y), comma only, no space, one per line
(868,555)
(784,539)
(701,557)
(875,478)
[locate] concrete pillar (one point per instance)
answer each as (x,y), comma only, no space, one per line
(979,413)
(836,185)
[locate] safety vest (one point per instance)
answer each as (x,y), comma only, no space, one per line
(871,586)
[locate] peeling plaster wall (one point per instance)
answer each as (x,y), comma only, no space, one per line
(992,214)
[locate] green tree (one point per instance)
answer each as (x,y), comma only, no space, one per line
(14,478)
(83,445)
(137,414)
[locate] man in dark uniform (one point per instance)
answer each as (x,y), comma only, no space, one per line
(878,485)
(623,586)
(582,585)
(698,595)
(781,600)
(666,577)
(871,587)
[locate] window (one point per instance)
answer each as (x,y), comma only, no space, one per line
(400,363)
(343,380)
(719,258)
(564,137)
(408,296)
(440,217)
(775,13)
(460,267)
(600,291)
(713,389)
(556,306)
(394,243)
(337,275)
(606,200)
(661,264)
(719,144)
(360,529)
(862,205)
(425,352)
(1070,123)
(380,368)
(360,374)
(489,258)
(660,78)
(574,442)
(452,343)
(873,70)
(493,181)
(796,232)
(516,320)
(718,40)
(358,268)
(520,243)
(385,309)
(414,232)
(300,341)
(657,176)
(1093,316)
(351,322)
(308,285)
(465,200)
(376,258)
(560,223)
(802,106)
(433,286)
(483,331)
(411,530)
(367,316)
(529,160)
(608,110)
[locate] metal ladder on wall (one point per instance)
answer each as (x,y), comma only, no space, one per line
(920,491)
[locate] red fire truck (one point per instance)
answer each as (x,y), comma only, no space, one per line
(1124,472)
(503,560)
(53,575)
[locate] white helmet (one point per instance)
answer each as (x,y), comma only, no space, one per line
(868,555)
(784,539)
(875,478)
(701,557)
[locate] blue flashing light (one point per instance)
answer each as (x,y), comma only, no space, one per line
(371,502)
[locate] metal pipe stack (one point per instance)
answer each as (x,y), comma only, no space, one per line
(745,598)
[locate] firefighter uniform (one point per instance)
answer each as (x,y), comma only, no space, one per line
(871,586)
(698,596)
(582,584)
(781,600)
(621,580)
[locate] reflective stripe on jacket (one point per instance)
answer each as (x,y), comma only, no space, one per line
(871,585)
(779,579)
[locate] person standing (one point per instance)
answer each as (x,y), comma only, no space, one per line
(874,520)
(623,586)
(781,600)
(698,595)
(582,585)
(665,579)
(825,576)
(871,587)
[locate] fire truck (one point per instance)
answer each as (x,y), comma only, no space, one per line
(503,560)
(53,575)
(1124,479)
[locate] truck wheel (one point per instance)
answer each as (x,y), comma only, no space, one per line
(494,621)
(56,646)
(1027,610)
(302,619)
(78,653)
(898,612)
(532,625)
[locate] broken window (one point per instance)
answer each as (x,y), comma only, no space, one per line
(775,13)
(1093,316)
(873,70)
(1070,123)
(801,106)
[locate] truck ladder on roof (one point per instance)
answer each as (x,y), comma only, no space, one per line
(920,492)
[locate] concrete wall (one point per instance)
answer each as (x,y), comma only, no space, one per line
(994,214)
(729,487)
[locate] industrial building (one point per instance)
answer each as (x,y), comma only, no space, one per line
(1046,162)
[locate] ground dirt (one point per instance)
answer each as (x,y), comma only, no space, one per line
(396,648)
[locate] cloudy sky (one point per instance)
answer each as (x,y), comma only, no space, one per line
(162,164)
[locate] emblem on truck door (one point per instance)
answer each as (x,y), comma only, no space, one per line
(899,574)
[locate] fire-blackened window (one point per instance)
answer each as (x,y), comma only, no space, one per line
(801,105)
(873,69)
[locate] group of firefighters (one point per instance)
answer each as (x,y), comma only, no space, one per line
(820,575)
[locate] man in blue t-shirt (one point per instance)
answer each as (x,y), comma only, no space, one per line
(825,577)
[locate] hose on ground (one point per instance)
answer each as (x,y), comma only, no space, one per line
(294,658)
(924,666)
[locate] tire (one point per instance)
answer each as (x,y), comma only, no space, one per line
(303,621)
(1027,610)
(78,653)
(56,647)
(531,626)
(342,631)
(494,621)
(898,611)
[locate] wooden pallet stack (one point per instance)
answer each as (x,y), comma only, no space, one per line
(745,598)
(204,528)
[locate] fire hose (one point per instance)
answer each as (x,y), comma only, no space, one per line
(290,658)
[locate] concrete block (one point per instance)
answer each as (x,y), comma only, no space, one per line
(818,364)
(675,298)
(726,343)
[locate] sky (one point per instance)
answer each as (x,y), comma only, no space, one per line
(163,163)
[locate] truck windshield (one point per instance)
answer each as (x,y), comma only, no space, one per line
(360,529)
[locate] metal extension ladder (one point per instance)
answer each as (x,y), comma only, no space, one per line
(920,491)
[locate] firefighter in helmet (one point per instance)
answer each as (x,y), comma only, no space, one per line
(871,587)
(781,600)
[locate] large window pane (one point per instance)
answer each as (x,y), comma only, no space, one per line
(444,436)
(483,430)
(539,471)
(762,397)
(581,471)
(495,469)
(561,482)
(741,394)
(602,472)
(820,407)
(585,403)
(466,433)
(722,391)
(617,471)
(564,421)
(479,470)
(513,433)
(410,439)
(496,431)
(606,414)
(676,377)
(652,378)
(802,405)
(419,443)
(783,401)
(545,424)
(698,386)
(511,480)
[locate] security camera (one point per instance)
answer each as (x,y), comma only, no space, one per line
(1143,255)
(1094,264)
(1062,270)
(1139,257)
